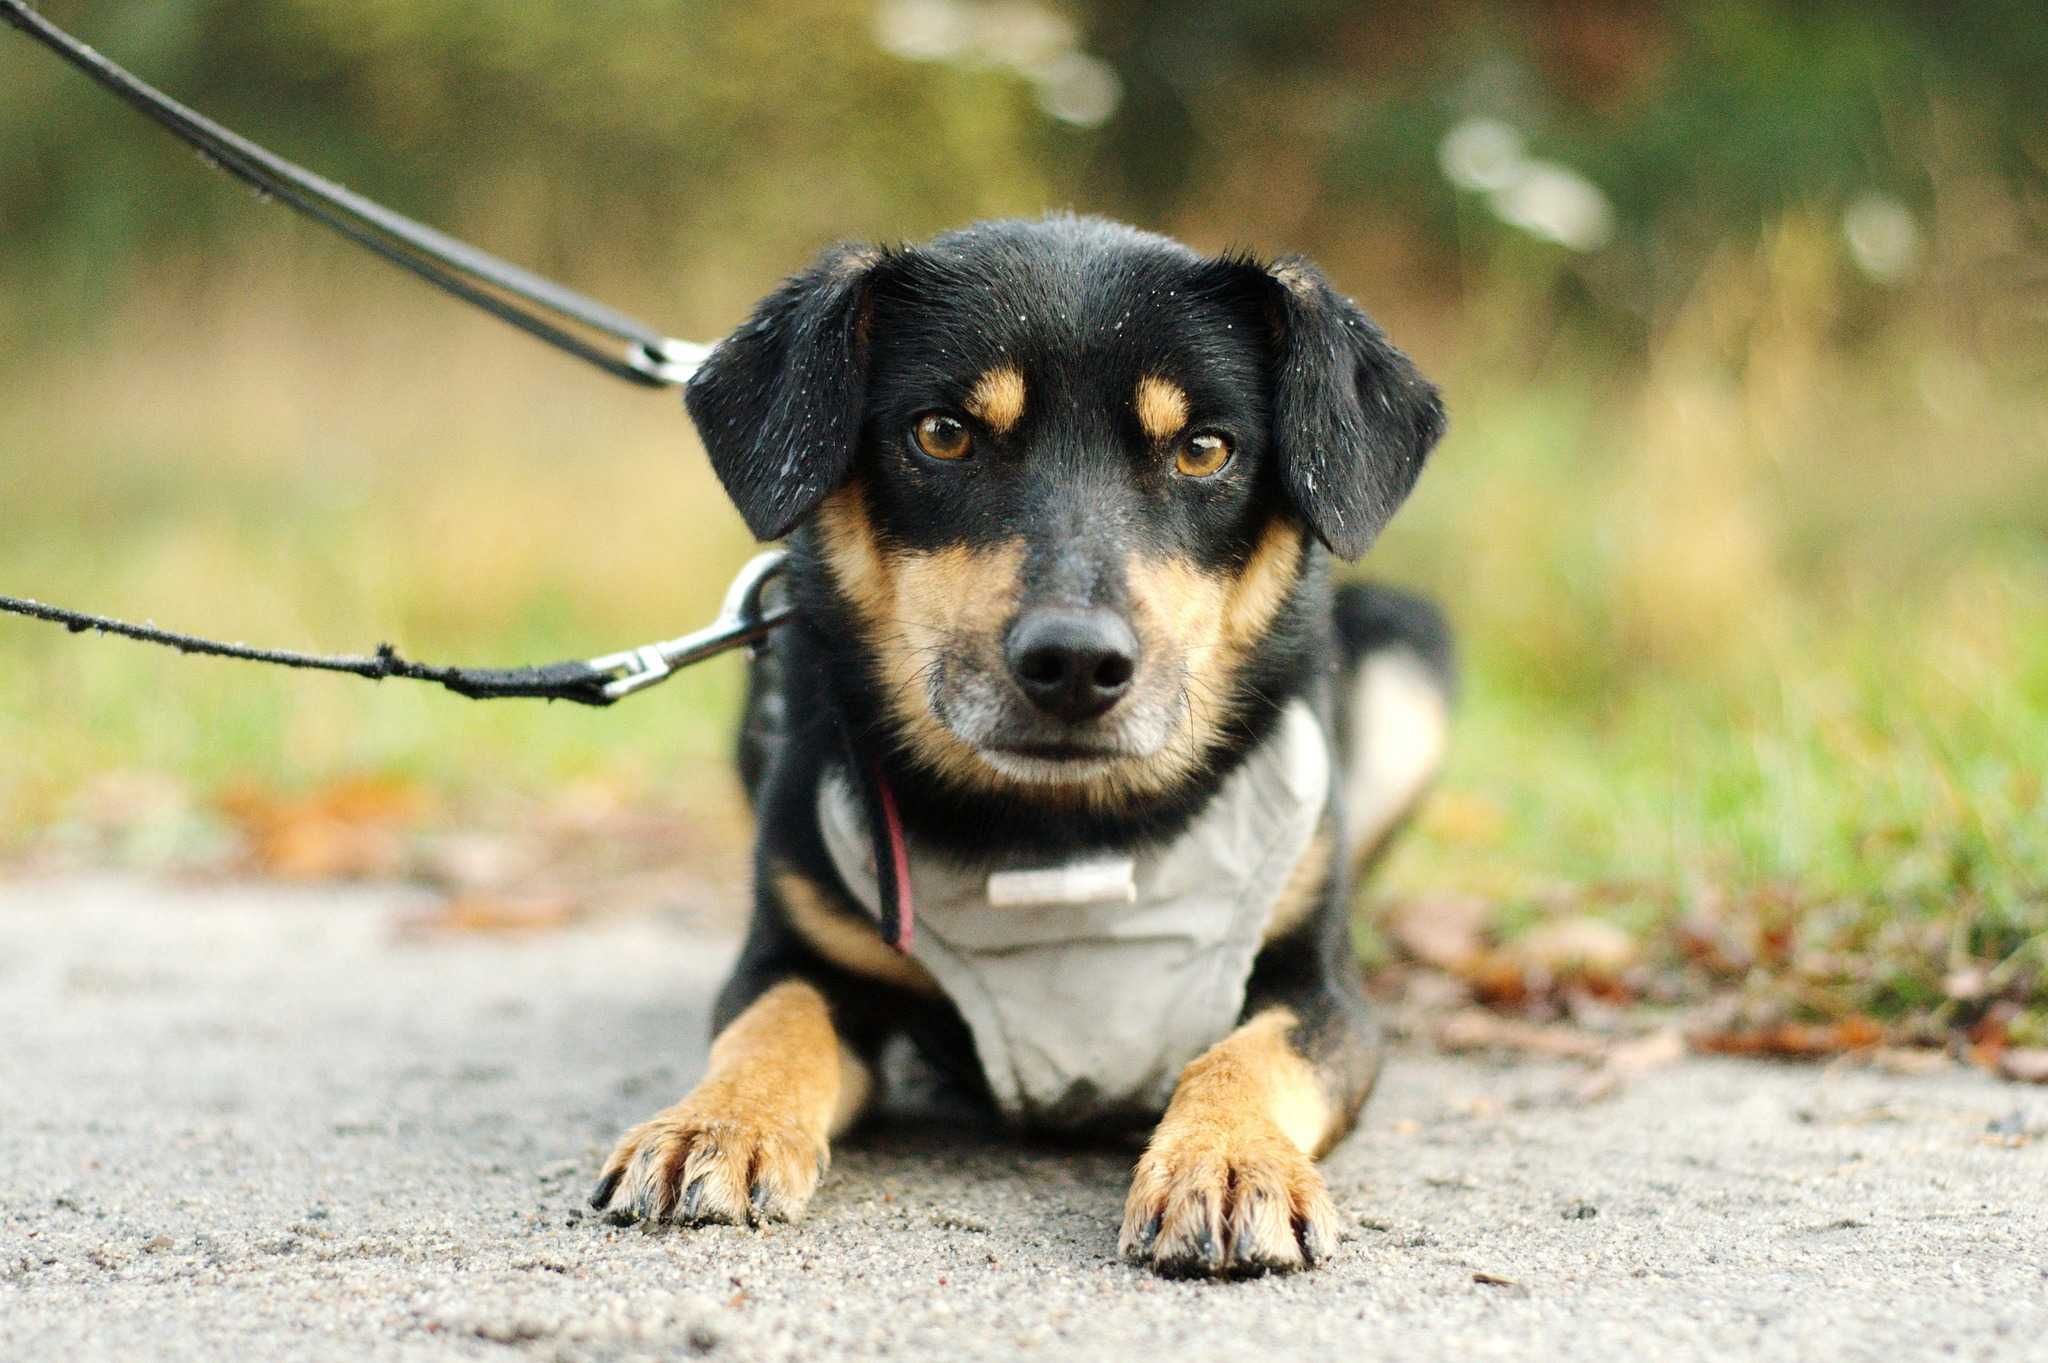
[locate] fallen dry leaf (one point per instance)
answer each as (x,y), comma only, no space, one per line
(1579,945)
(1629,1060)
(1800,1039)
(1908,1060)
(1475,1029)
(1448,933)
(484,914)
(2027,1064)
(352,829)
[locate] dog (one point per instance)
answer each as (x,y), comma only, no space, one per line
(1072,752)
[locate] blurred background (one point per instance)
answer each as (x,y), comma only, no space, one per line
(1741,309)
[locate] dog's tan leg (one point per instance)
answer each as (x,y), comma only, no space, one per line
(750,1141)
(1228,1184)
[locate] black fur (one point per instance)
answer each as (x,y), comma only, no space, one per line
(778,402)
(1353,420)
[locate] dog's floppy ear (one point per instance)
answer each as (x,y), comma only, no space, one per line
(778,402)
(1352,418)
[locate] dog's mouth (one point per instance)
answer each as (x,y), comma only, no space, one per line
(981,710)
(1061,752)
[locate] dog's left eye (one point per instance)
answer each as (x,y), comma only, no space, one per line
(1203,455)
(942,437)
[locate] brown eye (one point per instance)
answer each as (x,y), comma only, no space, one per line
(942,437)
(1202,455)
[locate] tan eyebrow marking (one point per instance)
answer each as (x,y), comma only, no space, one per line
(1162,407)
(998,399)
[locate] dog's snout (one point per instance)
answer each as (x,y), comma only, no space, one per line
(1073,664)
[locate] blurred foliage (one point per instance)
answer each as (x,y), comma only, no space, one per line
(676,140)
(1743,517)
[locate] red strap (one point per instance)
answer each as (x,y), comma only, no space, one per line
(899,865)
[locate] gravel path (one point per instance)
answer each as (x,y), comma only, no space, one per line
(264,1123)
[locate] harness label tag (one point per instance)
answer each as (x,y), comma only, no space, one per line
(1110,880)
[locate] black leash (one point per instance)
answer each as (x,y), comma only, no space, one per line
(461,270)
(744,619)
(455,267)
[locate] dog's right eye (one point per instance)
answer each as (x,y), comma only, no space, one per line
(942,437)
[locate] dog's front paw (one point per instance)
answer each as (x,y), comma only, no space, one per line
(1212,1199)
(711,1158)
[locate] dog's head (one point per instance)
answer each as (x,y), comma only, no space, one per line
(1063,477)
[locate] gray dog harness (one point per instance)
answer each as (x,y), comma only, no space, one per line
(1088,986)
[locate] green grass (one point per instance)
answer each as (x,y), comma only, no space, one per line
(1755,621)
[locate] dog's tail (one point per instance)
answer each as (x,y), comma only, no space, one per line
(1397,679)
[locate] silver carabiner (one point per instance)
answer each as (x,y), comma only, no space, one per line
(744,618)
(669,361)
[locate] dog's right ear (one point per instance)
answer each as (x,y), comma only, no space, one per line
(778,403)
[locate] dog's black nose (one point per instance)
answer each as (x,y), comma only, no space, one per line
(1074,664)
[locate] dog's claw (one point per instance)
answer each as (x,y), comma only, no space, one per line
(601,1196)
(693,1201)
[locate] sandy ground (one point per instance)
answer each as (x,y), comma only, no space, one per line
(264,1123)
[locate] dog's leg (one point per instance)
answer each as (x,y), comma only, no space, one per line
(750,1141)
(1228,1183)
(1397,677)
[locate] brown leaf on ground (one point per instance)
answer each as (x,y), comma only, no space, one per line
(1909,1060)
(350,830)
(484,914)
(1448,932)
(1794,1039)
(2027,1064)
(1580,945)
(1629,1060)
(1475,1029)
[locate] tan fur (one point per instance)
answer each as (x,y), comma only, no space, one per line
(753,1137)
(846,936)
(1162,407)
(914,603)
(997,400)
(1228,1183)
(1212,622)
(1302,892)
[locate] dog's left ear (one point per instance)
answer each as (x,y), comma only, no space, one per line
(779,402)
(1353,420)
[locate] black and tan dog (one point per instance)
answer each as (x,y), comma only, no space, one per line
(1069,757)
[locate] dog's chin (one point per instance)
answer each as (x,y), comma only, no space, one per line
(1050,766)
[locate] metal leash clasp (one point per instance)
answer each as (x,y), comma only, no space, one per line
(744,618)
(669,361)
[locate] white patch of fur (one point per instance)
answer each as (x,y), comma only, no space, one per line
(1400,722)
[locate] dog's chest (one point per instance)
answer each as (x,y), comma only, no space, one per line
(1083,1013)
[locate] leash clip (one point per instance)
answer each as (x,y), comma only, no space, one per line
(744,619)
(668,360)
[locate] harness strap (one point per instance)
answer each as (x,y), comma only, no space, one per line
(899,914)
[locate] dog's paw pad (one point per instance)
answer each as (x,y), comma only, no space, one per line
(1237,1203)
(695,1164)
